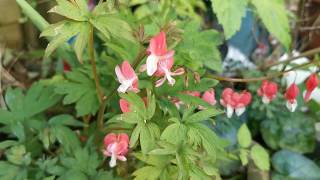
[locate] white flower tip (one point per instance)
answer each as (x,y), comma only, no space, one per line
(113,163)
(265,100)
(152,64)
(229,111)
(240,111)
(292,106)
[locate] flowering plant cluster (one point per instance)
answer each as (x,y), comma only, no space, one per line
(138,91)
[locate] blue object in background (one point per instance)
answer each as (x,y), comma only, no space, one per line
(250,32)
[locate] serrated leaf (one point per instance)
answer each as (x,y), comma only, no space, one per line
(82,40)
(135,136)
(174,133)
(244,136)
(65,119)
(151,103)
(112,26)
(146,141)
(62,35)
(8,171)
(229,14)
(260,157)
(81,90)
(162,151)
(66,137)
(274,16)
(147,172)
(70,10)
(202,115)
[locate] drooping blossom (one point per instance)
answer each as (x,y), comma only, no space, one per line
(125,105)
(127,78)
(268,91)
(311,85)
(157,51)
(291,95)
(234,101)
(164,71)
(209,97)
(116,147)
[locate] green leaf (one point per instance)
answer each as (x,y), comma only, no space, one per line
(66,137)
(174,133)
(7,143)
(136,104)
(82,40)
(18,155)
(244,136)
(244,157)
(135,136)
(61,35)
(69,10)
(78,175)
(65,119)
(274,16)
(229,14)
(260,157)
(162,151)
(146,140)
(103,175)
(37,99)
(81,90)
(199,48)
(86,161)
(151,103)
(147,172)
(192,100)
(112,26)
(8,171)
(202,115)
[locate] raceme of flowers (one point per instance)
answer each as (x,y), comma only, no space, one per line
(160,63)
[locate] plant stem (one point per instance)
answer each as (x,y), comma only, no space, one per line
(304,54)
(221,78)
(94,66)
(102,109)
(34,16)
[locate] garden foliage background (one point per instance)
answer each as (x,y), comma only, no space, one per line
(64,116)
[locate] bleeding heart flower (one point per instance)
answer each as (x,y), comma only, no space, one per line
(125,105)
(127,77)
(209,97)
(157,51)
(116,146)
(311,85)
(268,91)
(291,95)
(234,101)
(164,71)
